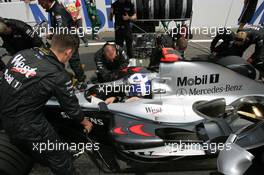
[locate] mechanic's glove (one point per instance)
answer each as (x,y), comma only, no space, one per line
(87,125)
(81,86)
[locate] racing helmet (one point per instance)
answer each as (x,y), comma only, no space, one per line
(139,85)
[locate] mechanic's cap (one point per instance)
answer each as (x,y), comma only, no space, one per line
(240,38)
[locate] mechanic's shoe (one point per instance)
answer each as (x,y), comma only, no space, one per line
(96,38)
(81,86)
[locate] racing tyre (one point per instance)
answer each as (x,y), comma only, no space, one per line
(156,7)
(12,160)
(162,9)
(179,8)
(139,9)
(146,9)
(189,11)
(172,9)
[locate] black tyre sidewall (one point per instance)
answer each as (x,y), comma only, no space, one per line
(12,160)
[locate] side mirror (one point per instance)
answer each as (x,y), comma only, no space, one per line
(211,109)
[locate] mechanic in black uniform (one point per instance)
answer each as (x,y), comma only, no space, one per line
(252,35)
(227,47)
(17,36)
(32,77)
(124,12)
(110,60)
(247,13)
(61,19)
(237,44)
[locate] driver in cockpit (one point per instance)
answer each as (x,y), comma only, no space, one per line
(129,89)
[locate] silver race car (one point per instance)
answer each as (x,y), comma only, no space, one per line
(194,107)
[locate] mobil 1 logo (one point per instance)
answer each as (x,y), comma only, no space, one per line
(198,80)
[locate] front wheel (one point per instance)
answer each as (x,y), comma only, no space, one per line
(12,160)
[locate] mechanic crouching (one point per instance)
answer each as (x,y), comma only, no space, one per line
(235,44)
(252,35)
(227,47)
(32,77)
(17,36)
(110,60)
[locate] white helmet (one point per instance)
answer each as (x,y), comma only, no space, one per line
(140,85)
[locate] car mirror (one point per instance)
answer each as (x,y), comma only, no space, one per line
(230,109)
(212,109)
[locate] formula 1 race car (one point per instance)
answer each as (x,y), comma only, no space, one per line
(195,107)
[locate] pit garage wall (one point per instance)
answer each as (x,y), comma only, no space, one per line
(206,13)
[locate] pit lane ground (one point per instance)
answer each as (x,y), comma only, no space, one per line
(198,47)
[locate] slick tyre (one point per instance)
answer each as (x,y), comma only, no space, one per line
(146,9)
(12,160)
(140,11)
(188,13)
(163,9)
(180,9)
